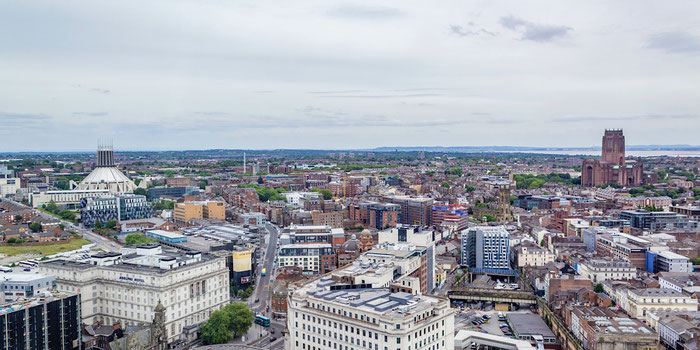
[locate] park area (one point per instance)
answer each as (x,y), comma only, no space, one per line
(43,249)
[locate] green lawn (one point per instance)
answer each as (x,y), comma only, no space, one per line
(46,249)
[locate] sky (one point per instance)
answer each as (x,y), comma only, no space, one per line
(159,75)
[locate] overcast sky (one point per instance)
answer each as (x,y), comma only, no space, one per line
(325,74)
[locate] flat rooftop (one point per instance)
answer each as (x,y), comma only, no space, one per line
(529,324)
(166,234)
(379,301)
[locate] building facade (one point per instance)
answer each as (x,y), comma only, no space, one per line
(117,208)
(126,287)
(599,270)
(184,212)
(657,221)
(47,322)
(613,167)
(534,256)
(486,247)
(312,258)
(642,302)
(325,315)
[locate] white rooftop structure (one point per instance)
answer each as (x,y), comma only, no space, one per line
(106,176)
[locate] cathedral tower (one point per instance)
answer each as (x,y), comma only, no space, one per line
(614,147)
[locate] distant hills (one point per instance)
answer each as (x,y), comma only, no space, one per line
(478,149)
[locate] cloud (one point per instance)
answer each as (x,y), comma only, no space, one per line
(22,120)
(6,117)
(323,92)
(212,113)
(365,12)
(91,114)
(534,31)
(100,91)
(576,119)
(384,96)
(461,31)
(675,42)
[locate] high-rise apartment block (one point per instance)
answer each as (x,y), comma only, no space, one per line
(486,247)
(50,321)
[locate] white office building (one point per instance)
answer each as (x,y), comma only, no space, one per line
(599,270)
(667,261)
(322,316)
(127,286)
(642,302)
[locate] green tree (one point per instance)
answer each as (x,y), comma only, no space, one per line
(445,184)
(216,329)
(599,288)
(241,317)
(490,218)
(203,184)
(98,224)
(140,191)
(327,194)
(66,215)
(137,238)
(35,227)
(111,224)
(18,218)
(51,207)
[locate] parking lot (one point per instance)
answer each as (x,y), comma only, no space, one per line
(464,320)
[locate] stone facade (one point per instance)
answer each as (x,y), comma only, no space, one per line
(613,167)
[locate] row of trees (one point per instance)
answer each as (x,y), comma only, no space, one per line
(528,181)
(267,194)
(109,224)
(52,208)
(231,321)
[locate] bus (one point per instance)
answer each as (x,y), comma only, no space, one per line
(28,264)
(264,271)
(5,269)
(262,320)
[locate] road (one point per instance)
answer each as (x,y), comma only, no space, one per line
(262,291)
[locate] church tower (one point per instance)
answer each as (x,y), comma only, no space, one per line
(614,147)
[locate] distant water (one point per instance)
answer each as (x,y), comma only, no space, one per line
(670,153)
